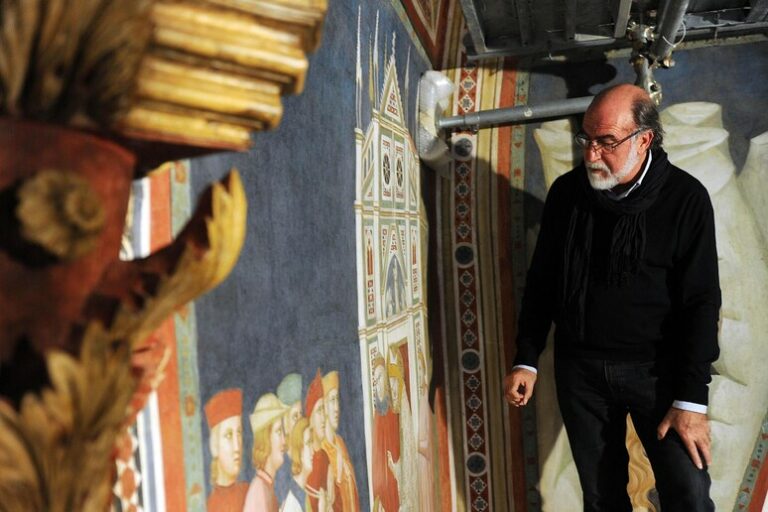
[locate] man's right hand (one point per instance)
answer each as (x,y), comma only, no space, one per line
(518,386)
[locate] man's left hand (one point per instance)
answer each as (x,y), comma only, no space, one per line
(693,429)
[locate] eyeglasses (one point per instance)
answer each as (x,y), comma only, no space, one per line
(602,144)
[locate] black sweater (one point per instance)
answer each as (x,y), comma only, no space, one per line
(668,310)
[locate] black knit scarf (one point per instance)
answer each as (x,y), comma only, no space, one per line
(627,243)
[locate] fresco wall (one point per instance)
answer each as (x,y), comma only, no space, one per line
(269,382)
(278,396)
(408,454)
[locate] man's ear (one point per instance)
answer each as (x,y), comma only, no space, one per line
(646,139)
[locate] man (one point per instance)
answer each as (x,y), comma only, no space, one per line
(320,485)
(300,450)
(223,413)
(386,440)
(626,267)
(405,469)
(289,393)
(267,455)
(343,474)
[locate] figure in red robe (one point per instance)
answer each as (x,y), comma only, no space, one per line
(386,441)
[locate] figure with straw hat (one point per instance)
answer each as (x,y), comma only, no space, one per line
(268,452)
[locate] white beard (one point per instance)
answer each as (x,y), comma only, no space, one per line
(606,180)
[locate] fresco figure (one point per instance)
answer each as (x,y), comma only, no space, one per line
(394,296)
(386,441)
(267,454)
(289,393)
(300,452)
(404,469)
(426,466)
(223,413)
(342,472)
(627,268)
(320,485)
(738,398)
(369,256)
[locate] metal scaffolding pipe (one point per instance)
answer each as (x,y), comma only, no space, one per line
(485,118)
(671,19)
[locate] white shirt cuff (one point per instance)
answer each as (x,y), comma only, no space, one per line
(526,367)
(689,406)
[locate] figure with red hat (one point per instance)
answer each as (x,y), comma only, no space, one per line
(320,486)
(342,472)
(386,440)
(223,413)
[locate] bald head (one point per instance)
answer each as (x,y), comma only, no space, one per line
(621,95)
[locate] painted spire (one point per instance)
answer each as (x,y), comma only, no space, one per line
(384,58)
(376,63)
(358,74)
(407,90)
(394,36)
(370,72)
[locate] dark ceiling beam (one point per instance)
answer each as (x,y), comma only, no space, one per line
(553,47)
(569,11)
(620,10)
(524,22)
(758,11)
(544,52)
(712,19)
(736,30)
(474,26)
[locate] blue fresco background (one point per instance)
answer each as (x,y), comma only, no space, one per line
(290,304)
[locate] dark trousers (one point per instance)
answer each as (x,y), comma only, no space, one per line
(595,397)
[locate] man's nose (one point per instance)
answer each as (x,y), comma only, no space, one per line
(591,154)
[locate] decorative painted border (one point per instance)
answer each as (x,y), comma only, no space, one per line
(507,146)
(470,347)
(511,268)
(754,486)
(172,476)
(186,358)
